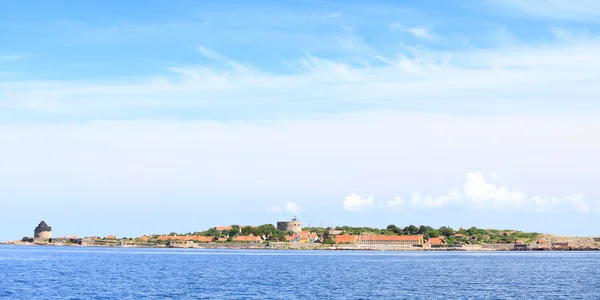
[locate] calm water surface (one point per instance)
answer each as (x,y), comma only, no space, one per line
(125,273)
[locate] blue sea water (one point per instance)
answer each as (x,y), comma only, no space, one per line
(127,273)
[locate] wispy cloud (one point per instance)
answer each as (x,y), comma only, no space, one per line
(512,79)
(421,32)
(7,57)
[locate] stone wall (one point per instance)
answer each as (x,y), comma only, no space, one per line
(44,235)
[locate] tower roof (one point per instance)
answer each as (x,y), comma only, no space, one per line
(43,227)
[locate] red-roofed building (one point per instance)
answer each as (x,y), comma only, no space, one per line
(111,237)
(458,235)
(436,241)
(390,240)
(345,239)
(248,239)
(303,237)
(222,228)
(202,239)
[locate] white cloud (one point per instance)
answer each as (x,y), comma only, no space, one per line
(516,78)
(396,202)
(291,207)
(355,203)
(319,156)
(479,194)
(421,32)
(493,175)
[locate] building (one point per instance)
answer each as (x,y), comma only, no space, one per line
(334,232)
(390,240)
(436,241)
(248,239)
(42,231)
(304,237)
(294,225)
(345,239)
(380,240)
(180,244)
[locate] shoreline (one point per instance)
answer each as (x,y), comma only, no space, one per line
(312,247)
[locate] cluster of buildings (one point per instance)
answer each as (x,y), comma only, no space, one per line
(43,234)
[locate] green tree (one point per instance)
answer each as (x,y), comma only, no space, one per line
(411,230)
(446,231)
(328,241)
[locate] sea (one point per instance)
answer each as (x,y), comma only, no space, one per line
(37,272)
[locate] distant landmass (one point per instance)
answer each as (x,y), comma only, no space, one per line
(291,235)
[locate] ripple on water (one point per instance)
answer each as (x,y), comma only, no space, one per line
(109,273)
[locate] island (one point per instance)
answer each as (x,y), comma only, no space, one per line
(291,235)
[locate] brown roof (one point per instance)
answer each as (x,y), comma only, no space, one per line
(389,238)
(202,239)
(221,228)
(247,239)
(435,241)
(345,239)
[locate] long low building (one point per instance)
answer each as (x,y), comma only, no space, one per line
(380,240)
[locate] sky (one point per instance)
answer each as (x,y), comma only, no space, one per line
(142,117)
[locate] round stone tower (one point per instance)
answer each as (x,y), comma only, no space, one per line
(295,225)
(42,231)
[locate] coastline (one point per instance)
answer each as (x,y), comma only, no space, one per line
(313,247)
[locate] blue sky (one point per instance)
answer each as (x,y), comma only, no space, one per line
(134,117)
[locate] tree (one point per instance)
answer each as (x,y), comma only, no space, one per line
(411,229)
(446,231)
(328,241)
(248,230)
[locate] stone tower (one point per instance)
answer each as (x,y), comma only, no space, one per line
(42,231)
(295,225)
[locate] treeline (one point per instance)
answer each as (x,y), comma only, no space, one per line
(471,235)
(266,230)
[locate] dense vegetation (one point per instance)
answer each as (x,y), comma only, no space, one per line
(471,235)
(268,231)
